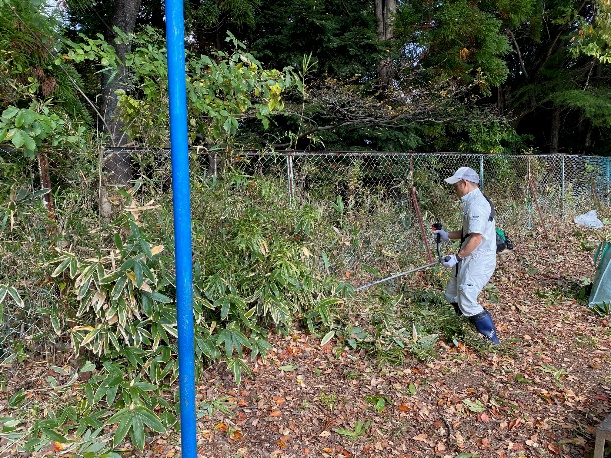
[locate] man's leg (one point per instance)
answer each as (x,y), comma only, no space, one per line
(451,293)
(485,326)
(471,280)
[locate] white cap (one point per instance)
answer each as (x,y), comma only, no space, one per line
(464,173)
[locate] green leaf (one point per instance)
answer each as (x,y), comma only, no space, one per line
(118,241)
(158,297)
(54,436)
(288,368)
(17,138)
(84,289)
(10,112)
(124,418)
(137,432)
(138,273)
(29,142)
(111,277)
(151,420)
(476,406)
(117,290)
(15,295)
(20,118)
(17,398)
(88,367)
(327,338)
(146,248)
(61,267)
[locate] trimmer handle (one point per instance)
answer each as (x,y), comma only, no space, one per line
(437,227)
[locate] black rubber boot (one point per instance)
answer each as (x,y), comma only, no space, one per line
(484,324)
(456,308)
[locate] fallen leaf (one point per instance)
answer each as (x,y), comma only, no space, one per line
(554,448)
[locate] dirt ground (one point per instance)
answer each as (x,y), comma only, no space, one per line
(541,393)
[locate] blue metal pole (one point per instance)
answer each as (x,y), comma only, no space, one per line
(177,85)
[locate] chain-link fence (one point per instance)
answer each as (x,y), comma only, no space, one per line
(561,184)
(398,195)
(389,198)
(378,203)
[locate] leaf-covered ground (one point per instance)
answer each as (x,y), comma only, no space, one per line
(539,394)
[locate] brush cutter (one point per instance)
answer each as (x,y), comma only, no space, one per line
(436,226)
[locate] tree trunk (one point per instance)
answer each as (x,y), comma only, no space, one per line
(385,12)
(555,133)
(45,181)
(124,18)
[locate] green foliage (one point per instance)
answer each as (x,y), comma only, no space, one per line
(456,39)
(341,39)
(254,267)
(359,429)
(9,291)
(223,89)
(256,232)
(379,401)
(120,298)
(29,42)
(493,136)
(594,104)
(593,37)
(28,129)
(602,309)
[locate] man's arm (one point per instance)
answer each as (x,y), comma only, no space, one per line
(473,242)
(455,235)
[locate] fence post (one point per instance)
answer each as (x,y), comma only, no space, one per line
(290,178)
(528,192)
(608,176)
(562,194)
(536,199)
(481,172)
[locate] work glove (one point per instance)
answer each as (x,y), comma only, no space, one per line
(450,261)
(444,236)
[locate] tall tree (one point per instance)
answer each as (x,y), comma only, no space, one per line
(385,14)
(124,19)
(110,18)
(557,90)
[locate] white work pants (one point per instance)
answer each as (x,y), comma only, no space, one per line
(468,279)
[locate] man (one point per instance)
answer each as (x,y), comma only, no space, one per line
(475,261)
